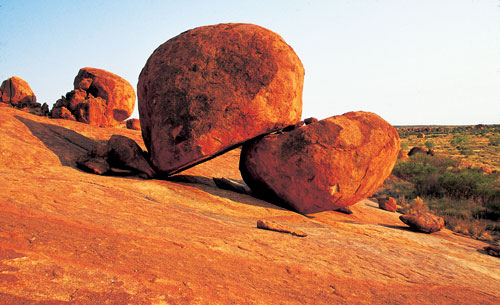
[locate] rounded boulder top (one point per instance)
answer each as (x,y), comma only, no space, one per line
(214,87)
(17,92)
(118,94)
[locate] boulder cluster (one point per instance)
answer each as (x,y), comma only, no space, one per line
(100,98)
(213,88)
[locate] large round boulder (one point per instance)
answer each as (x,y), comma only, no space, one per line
(214,87)
(16,92)
(100,98)
(324,165)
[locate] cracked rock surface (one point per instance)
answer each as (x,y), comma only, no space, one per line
(324,165)
(214,87)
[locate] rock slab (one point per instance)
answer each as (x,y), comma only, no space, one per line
(327,165)
(214,87)
(100,98)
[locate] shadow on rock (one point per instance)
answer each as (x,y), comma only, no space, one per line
(67,144)
(209,186)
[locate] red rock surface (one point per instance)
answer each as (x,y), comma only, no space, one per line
(69,237)
(210,88)
(100,98)
(423,222)
(327,165)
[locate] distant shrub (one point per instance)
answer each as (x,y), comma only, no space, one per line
(494,140)
(430,144)
(460,140)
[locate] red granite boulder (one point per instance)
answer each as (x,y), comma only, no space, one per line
(423,222)
(387,203)
(16,92)
(214,87)
(325,165)
(100,98)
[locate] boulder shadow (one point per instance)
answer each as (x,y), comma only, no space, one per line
(402,227)
(67,144)
(207,185)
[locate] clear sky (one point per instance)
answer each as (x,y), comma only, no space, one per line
(410,61)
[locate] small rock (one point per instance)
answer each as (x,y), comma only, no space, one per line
(273,226)
(387,203)
(16,92)
(232,185)
(310,121)
(62,113)
(423,222)
(125,153)
(133,124)
(493,250)
(97,166)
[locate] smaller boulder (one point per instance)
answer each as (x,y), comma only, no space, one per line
(125,153)
(310,121)
(387,203)
(423,222)
(133,124)
(16,92)
(120,155)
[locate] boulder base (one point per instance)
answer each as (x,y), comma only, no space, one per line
(214,87)
(326,165)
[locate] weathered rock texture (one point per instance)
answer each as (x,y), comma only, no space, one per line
(100,98)
(423,222)
(16,92)
(322,166)
(213,87)
(69,237)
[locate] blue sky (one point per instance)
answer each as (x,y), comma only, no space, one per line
(411,62)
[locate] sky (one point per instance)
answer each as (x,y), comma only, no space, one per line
(413,62)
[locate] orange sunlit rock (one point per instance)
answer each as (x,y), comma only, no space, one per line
(213,87)
(100,98)
(322,166)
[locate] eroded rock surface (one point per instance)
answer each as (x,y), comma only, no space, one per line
(213,87)
(100,98)
(322,166)
(134,124)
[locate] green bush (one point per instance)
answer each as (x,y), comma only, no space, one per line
(460,140)
(430,144)
(494,140)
